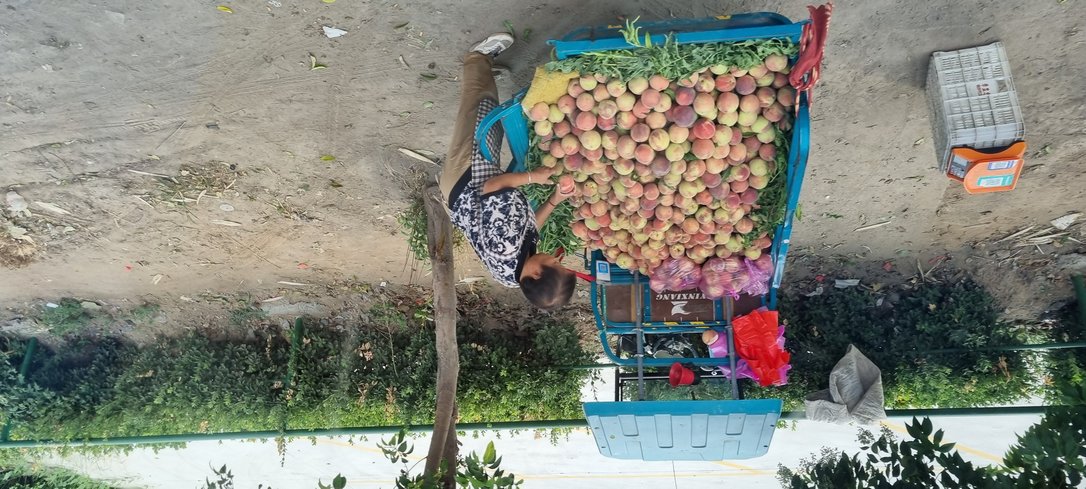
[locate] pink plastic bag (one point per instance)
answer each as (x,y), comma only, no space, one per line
(758,273)
(675,274)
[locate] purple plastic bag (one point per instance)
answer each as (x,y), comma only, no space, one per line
(675,274)
(758,274)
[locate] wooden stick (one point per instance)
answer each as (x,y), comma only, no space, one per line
(440,244)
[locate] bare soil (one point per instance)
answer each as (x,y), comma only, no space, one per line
(195,153)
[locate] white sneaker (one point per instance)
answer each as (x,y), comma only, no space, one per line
(495,44)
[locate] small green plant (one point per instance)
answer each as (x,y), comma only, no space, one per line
(413,223)
(224,479)
(473,471)
(67,317)
(145,312)
(246,314)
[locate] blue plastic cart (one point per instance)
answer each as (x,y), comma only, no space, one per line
(675,430)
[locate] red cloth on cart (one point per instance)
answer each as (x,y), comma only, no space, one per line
(759,341)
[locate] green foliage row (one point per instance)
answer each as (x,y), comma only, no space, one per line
(19,473)
(897,335)
(1050,454)
(378,372)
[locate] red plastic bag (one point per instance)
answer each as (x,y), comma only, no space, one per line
(759,339)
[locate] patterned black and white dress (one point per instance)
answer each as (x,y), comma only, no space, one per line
(500,225)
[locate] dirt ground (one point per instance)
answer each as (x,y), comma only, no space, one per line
(282,179)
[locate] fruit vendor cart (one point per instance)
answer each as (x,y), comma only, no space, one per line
(654,337)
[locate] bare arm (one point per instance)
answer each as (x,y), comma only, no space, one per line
(514,180)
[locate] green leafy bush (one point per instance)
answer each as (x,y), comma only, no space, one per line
(896,336)
(378,371)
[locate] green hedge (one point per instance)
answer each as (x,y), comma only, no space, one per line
(379,372)
(894,328)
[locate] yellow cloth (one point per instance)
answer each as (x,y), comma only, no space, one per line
(547,86)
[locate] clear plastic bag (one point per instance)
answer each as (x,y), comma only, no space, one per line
(717,280)
(758,273)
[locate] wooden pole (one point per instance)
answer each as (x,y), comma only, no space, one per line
(440,244)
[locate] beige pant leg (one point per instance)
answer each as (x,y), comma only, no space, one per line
(476,84)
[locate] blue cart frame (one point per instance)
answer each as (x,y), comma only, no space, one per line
(618,426)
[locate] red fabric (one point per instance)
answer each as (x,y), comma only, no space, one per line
(756,342)
(812,45)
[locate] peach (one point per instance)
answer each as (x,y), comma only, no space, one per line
(766,80)
(722,135)
(746,119)
(625,120)
(718,69)
(689,81)
(767,152)
(637,85)
(555,114)
(775,112)
(725,83)
(758,181)
(539,112)
(677,133)
(588,82)
(656,120)
(745,85)
(616,88)
(684,95)
(543,128)
(690,225)
(744,226)
(561,129)
(752,144)
(776,62)
(722,151)
(567,104)
(650,97)
(780,80)
(719,192)
(737,72)
(571,145)
(640,132)
(767,135)
(635,190)
(651,191)
(727,102)
(549,162)
(664,104)
(664,212)
(574,88)
(705,84)
(659,139)
(658,82)
(585,121)
(639,110)
(757,71)
(624,167)
(786,96)
(732,202)
(739,186)
(766,96)
(625,146)
(749,103)
(644,173)
(759,124)
(705,105)
(605,123)
(625,102)
(704,198)
(702,148)
(715,165)
(712,180)
(703,129)
(592,154)
(644,153)
(738,153)
(609,140)
(607,109)
(610,154)
(600,93)
(683,116)
(675,152)
(694,170)
(728,118)
(585,102)
(660,165)
(749,196)
(556,151)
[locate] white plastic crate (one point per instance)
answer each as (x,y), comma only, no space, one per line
(973,101)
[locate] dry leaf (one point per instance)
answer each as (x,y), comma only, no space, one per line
(226,9)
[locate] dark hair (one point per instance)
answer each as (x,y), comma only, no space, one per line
(552,289)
